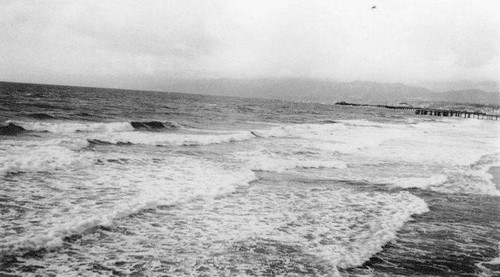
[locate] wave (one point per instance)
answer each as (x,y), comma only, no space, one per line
(73,127)
(278,162)
(84,114)
(172,139)
(154,125)
(460,179)
(468,182)
(42,116)
(492,267)
(346,137)
(380,232)
(100,127)
(320,133)
(285,165)
(46,156)
(340,226)
(11,130)
(336,137)
(143,186)
(329,121)
(102,142)
(416,182)
(486,162)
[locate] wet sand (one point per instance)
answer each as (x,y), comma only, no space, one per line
(495,172)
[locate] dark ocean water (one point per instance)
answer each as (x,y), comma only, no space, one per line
(102,182)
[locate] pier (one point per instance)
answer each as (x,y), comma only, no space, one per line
(428,111)
(453,113)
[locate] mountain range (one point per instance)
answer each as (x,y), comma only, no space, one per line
(318,90)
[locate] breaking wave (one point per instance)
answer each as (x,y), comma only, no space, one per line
(45,156)
(171,139)
(98,127)
(73,127)
(268,161)
(123,193)
(11,130)
(154,125)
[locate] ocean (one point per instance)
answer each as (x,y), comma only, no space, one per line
(108,182)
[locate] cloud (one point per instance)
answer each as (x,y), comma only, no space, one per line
(400,41)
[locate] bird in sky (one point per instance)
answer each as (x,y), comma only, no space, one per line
(374,7)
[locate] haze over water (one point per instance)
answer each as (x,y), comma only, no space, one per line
(114,182)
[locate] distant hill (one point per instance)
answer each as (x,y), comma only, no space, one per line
(318,90)
(488,86)
(474,96)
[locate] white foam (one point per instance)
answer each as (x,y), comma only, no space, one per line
(268,161)
(381,231)
(329,223)
(71,127)
(344,137)
(441,156)
(415,182)
(48,155)
(173,139)
(468,181)
(114,191)
(340,226)
(349,227)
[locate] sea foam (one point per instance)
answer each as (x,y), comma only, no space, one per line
(71,127)
(111,192)
(173,139)
(339,227)
(43,156)
(268,161)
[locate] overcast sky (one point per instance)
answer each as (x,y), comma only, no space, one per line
(107,43)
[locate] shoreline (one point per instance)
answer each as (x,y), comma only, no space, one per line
(495,172)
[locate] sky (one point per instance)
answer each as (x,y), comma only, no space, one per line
(140,43)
